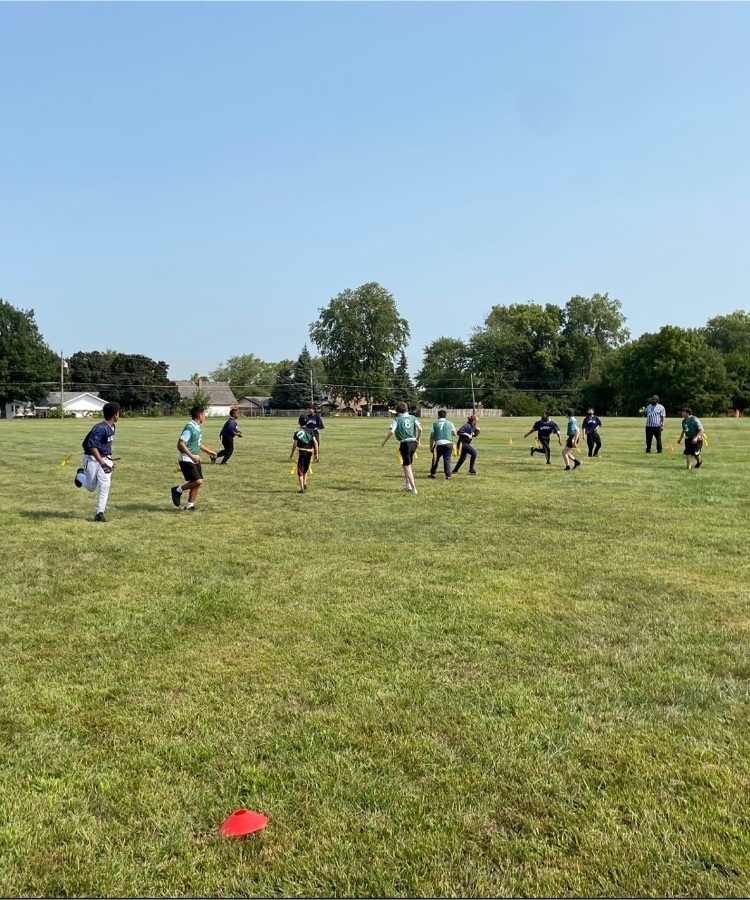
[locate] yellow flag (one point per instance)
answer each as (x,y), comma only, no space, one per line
(538,443)
(177,470)
(65,461)
(455,450)
(705,439)
(294,469)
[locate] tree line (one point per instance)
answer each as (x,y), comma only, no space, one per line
(523,356)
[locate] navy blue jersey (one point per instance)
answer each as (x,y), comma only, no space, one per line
(230,428)
(314,423)
(545,429)
(590,424)
(466,433)
(100,437)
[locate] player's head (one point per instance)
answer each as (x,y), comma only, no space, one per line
(545,416)
(686,412)
(442,414)
(590,411)
(401,407)
(569,412)
(234,412)
(472,420)
(302,420)
(198,413)
(111,411)
(655,398)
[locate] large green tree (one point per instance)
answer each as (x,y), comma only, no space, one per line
(134,381)
(445,378)
(402,387)
(592,328)
(677,364)
(284,394)
(359,334)
(247,375)
(28,368)
(730,335)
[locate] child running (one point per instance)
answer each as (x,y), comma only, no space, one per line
(692,431)
(408,431)
(306,445)
(571,443)
(544,429)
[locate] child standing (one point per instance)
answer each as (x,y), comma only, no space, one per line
(306,445)
(692,431)
(441,444)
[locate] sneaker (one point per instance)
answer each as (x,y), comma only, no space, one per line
(447,477)
(75,480)
(698,463)
(414,491)
(99,517)
(549,462)
(597,456)
(301,491)
(472,471)
(531,451)
(567,468)
(407,488)
(304,489)
(190,507)
(176,497)
(576,463)
(431,475)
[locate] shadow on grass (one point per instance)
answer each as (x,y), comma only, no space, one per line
(38,514)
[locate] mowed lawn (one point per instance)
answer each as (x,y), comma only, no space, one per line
(528,682)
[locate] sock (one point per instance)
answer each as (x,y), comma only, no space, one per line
(179,489)
(189,505)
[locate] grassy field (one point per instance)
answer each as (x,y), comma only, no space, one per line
(531,682)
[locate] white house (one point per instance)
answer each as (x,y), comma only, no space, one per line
(222,397)
(80,404)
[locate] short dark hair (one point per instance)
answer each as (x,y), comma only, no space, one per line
(687,410)
(302,420)
(401,407)
(110,409)
(569,411)
(442,413)
(195,411)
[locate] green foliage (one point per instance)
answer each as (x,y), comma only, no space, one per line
(403,388)
(284,394)
(134,381)
(28,368)
(679,366)
(731,336)
(592,328)
(359,335)
(247,375)
(199,397)
(444,378)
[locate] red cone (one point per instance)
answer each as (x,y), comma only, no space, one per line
(242,822)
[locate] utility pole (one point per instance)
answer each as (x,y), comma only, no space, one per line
(312,391)
(473,398)
(62,381)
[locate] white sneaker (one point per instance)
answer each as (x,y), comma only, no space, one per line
(407,488)
(414,491)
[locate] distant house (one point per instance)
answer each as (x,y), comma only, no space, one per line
(222,398)
(253,406)
(80,404)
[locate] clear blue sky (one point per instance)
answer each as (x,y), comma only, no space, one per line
(193,181)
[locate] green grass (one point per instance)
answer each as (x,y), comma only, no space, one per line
(530,682)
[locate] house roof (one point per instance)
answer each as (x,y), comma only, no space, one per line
(219,391)
(68,397)
(257,401)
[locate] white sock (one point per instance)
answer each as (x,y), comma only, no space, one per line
(179,488)
(189,505)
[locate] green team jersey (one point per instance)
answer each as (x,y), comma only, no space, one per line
(691,426)
(192,436)
(572,427)
(405,427)
(442,431)
(304,440)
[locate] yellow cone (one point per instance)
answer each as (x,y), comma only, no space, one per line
(510,441)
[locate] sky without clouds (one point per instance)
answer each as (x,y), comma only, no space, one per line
(193,181)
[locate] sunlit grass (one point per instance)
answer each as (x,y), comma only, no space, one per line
(528,682)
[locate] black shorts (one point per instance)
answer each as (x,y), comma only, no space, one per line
(191,471)
(303,461)
(407,449)
(692,449)
(570,444)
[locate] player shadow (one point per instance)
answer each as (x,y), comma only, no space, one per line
(37,514)
(146,507)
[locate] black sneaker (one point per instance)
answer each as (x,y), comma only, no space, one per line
(531,451)
(77,483)
(431,475)
(576,463)
(472,471)
(567,468)
(99,517)
(176,497)
(698,463)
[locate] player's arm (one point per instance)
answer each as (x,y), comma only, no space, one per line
(205,449)
(316,449)
(419,435)
(388,436)
(183,448)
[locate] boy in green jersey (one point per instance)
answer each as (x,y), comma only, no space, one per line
(408,431)
(441,444)
(692,431)
(571,443)
(306,445)
(190,445)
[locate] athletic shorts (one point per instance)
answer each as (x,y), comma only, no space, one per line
(303,461)
(570,443)
(191,471)
(692,449)
(407,449)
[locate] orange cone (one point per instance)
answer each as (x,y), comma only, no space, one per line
(510,441)
(242,822)
(671,449)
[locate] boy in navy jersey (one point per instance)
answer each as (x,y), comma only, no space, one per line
(591,425)
(98,464)
(544,429)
